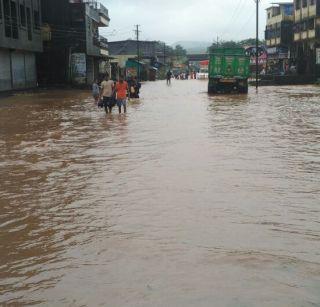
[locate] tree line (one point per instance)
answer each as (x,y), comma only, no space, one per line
(179,52)
(235,44)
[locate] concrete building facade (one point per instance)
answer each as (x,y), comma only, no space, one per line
(279,36)
(20,41)
(280,18)
(306,36)
(74,51)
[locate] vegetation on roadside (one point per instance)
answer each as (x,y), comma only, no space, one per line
(235,44)
(176,55)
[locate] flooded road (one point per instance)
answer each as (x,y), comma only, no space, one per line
(188,200)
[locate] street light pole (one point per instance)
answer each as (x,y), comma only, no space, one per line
(164,56)
(257,43)
(138,50)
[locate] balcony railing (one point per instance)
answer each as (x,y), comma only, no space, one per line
(103,11)
(93,14)
(103,42)
(100,41)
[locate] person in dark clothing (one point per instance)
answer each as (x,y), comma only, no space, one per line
(137,87)
(134,87)
(169,76)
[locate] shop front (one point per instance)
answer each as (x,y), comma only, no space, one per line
(278,62)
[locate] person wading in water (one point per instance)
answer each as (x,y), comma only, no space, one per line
(122,91)
(169,76)
(107,89)
(96,91)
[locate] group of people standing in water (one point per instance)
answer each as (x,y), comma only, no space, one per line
(110,93)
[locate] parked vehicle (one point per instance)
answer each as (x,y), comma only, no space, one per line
(203,74)
(229,70)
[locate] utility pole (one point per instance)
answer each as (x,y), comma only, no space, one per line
(257,43)
(137,31)
(164,55)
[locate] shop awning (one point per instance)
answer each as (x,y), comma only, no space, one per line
(204,63)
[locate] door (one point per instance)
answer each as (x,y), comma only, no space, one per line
(30,68)
(5,71)
(18,70)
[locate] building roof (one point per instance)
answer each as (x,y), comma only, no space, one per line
(276,4)
(130,47)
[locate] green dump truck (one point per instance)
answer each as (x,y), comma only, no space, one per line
(229,70)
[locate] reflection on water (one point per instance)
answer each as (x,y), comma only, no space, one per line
(188,200)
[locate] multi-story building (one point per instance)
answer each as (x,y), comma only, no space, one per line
(74,51)
(280,17)
(307,36)
(20,40)
(279,35)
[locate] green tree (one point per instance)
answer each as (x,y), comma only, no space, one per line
(251,42)
(180,51)
(235,44)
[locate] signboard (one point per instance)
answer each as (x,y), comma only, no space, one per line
(318,56)
(262,52)
(131,72)
(79,68)
(262,60)
(272,50)
(278,53)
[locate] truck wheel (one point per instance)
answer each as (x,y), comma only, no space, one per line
(243,90)
(212,90)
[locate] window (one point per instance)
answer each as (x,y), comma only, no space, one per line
(14,20)
(0,10)
(23,20)
(304,3)
(29,23)
(298,4)
(312,2)
(10,19)
(7,18)
(276,11)
(304,26)
(311,24)
(36,20)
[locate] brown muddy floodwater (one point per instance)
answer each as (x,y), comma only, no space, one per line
(188,200)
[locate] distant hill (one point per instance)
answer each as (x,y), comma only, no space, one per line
(194,46)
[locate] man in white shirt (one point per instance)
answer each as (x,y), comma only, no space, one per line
(107,91)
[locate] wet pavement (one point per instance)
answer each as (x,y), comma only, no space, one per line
(187,200)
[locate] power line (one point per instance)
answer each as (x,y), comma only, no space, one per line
(246,22)
(119,33)
(115,31)
(236,12)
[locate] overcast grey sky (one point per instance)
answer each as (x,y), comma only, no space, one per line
(180,20)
